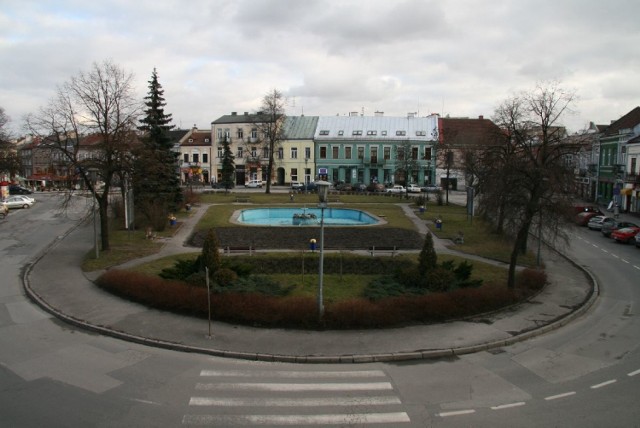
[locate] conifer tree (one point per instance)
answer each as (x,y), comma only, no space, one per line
(228,166)
(210,253)
(428,259)
(156,181)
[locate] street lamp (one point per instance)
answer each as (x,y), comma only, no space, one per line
(323,191)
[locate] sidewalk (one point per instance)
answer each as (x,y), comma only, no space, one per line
(56,283)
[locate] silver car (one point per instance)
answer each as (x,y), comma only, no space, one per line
(19,201)
(598,221)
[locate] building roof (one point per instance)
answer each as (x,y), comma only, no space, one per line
(469,132)
(196,137)
(234,117)
(629,120)
(300,127)
(365,128)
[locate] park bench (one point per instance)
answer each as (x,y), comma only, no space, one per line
(242,198)
(236,250)
(382,249)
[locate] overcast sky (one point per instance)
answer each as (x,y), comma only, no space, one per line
(460,58)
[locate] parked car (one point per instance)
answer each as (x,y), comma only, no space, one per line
(19,201)
(583,218)
(608,228)
(626,234)
(595,223)
(296,185)
(586,208)
(359,187)
(396,189)
(342,186)
(4,210)
(431,188)
(311,187)
(19,190)
(414,188)
(253,183)
(375,187)
(638,240)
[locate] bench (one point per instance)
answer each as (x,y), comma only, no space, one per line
(242,198)
(236,250)
(381,249)
(333,198)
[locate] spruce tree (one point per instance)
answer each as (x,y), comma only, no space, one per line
(428,259)
(210,253)
(156,181)
(228,166)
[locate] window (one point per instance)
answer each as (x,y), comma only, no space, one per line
(323,152)
(240,133)
(227,132)
(205,158)
(335,154)
(307,152)
(220,152)
(401,133)
(400,153)
(265,152)
(206,140)
(414,153)
(254,152)
(341,133)
(357,132)
(254,133)
(347,152)
(294,174)
(384,133)
(360,152)
(191,140)
(427,153)
(239,152)
(633,166)
(220,134)
(421,133)
(186,157)
(280,153)
(371,133)
(324,132)
(294,153)
(374,154)
(196,158)
(387,153)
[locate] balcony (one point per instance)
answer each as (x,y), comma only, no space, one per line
(633,178)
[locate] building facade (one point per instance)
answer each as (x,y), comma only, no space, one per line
(376,149)
(196,155)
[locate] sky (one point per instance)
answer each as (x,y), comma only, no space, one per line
(460,58)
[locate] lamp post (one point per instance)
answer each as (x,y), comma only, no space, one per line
(323,190)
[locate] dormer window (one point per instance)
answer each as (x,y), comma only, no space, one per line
(384,133)
(421,133)
(341,133)
(372,133)
(324,132)
(401,133)
(191,140)
(357,132)
(206,140)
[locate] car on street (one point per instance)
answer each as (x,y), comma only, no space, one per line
(414,188)
(431,188)
(359,187)
(4,210)
(626,234)
(342,186)
(253,183)
(396,189)
(582,219)
(596,223)
(375,187)
(311,187)
(19,190)
(608,228)
(296,185)
(638,240)
(19,201)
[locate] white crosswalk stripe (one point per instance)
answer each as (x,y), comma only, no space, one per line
(294,398)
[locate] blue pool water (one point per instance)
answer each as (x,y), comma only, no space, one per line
(305,217)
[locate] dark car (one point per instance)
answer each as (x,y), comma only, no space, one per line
(609,227)
(583,218)
(310,187)
(19,190)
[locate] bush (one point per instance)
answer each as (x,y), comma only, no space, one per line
(531,279)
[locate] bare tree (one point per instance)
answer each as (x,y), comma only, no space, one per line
(97,105)
(270,124)
(527,179)
(9,159)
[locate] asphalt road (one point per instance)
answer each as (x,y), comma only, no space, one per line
(586,374)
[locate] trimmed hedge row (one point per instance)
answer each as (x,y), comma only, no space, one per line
(301,312)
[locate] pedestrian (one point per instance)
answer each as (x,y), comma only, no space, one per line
(291,196)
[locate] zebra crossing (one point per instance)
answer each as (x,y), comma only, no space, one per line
(294,398)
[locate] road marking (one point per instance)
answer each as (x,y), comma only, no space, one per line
(637,267)
(615,256)
(555,397)
(297,402)
(604,251)
(600,385)
(292,374)
(633,373)
(335,419)
(366,386)
(624,261)
(508,406)
(456,413)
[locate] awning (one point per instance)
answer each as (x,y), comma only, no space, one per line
(626,191)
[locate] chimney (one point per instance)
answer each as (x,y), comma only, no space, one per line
(379,113)
(246,113)
(353,113)
(481,117)
(234,113)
